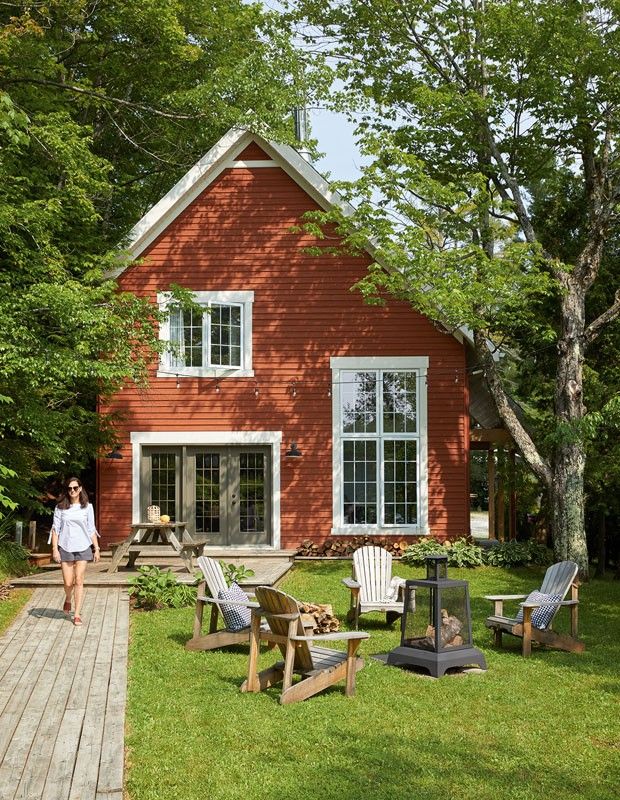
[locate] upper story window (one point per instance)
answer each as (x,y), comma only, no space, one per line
(216,341)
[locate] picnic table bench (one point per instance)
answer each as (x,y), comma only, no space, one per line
(145,535)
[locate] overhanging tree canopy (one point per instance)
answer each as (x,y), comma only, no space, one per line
(103,106)
(473,112)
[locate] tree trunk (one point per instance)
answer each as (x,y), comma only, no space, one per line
(567,502)
(568,464)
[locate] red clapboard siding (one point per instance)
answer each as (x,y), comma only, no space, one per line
(237,236)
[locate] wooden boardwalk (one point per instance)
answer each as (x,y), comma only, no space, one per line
(62,699)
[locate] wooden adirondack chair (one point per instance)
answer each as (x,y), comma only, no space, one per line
(372,586)
(319,667)
(218,636)
(558,580)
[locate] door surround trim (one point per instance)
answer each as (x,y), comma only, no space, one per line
(197,438)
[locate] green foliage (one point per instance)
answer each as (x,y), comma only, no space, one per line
(236,572)
(464,553)
(516,554)
(417,552)
(103,107)
(13,556)
(461,552)
(153,588)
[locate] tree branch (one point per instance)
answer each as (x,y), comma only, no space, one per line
(521,437)
(596,326)
(104,98)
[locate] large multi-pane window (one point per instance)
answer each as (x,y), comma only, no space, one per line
(213,339)
(380,443)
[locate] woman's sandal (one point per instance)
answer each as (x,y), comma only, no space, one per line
(77,620)
(66,607)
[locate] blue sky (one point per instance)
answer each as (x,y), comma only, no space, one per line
(335,136)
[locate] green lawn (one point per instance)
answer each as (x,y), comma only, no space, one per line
(548,726)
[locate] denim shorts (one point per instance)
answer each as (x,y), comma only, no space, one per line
(82,555)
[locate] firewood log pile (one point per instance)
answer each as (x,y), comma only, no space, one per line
(450,633)
(5,591)
(320,617)
(334,548)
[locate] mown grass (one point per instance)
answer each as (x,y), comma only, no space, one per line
(12,562)
(527,728)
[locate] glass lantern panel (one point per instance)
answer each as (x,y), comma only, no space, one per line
(455,623)
(417,628)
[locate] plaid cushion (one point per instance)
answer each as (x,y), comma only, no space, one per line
(542,616)
(235,617)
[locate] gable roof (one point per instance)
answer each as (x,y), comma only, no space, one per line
(225,155)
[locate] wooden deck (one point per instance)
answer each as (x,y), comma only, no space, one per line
(62,699)
(268,569)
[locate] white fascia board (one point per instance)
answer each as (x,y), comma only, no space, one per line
(185,191)
(221,156)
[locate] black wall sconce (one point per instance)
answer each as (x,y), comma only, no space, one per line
(293,451)
(116,453)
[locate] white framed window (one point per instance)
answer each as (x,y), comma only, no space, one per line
(380,445)
(211,343)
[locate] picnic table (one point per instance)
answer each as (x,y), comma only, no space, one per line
(162,534)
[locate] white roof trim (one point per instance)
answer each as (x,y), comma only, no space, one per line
(225,155)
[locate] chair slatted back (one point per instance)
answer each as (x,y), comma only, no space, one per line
(276,602)
(213,575)
(372,569)
(559,578)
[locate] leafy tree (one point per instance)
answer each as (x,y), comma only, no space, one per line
(476,115)
(103,106)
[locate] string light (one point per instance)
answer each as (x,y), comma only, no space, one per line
(256,390)
(178,382)
(217,386)
(294,387)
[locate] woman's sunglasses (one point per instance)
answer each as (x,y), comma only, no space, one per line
(74,488)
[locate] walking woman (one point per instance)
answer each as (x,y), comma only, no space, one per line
(74,542)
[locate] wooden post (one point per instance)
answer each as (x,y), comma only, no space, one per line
(512,518)
(491,483)
(32,535)
(501,498)
(19,525)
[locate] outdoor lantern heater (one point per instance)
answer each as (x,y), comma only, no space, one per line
(436,623)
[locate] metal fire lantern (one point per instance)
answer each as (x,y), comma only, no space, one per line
(436,623)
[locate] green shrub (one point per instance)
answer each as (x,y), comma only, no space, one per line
(416,553)
(236,572)
(13,557)
(517,554)
(462,553)
(153,589)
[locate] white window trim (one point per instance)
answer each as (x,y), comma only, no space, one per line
(273,439)
(244,299)
(418,364)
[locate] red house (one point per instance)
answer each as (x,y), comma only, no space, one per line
(286,360)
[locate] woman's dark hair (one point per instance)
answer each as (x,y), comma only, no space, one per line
(65,500)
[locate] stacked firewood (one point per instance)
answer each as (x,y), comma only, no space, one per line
(5,591)
(319,617)
(334,548)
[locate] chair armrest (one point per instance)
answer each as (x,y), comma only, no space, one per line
(550,603)
(249,604)
(333,637)
(505,596)
(262,612)
(351,583)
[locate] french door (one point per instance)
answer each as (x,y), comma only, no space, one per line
(223,493)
